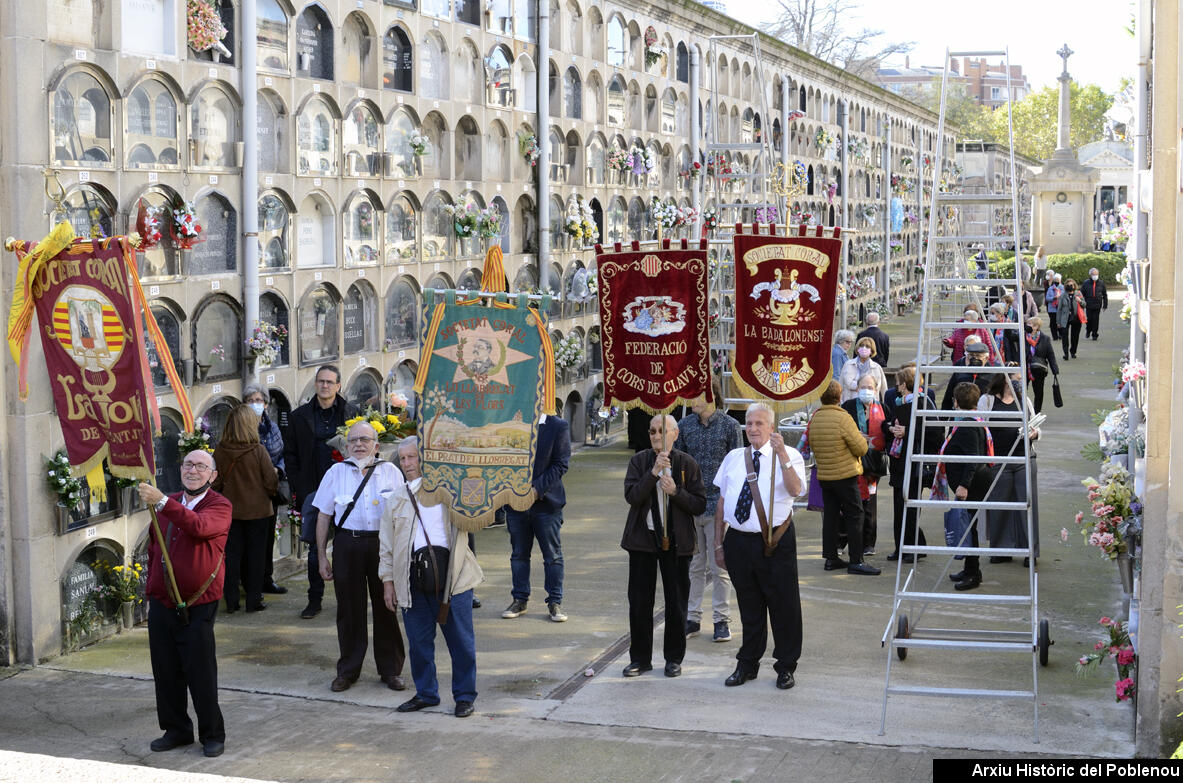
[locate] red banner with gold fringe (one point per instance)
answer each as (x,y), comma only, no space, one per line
(785,291)
(653,325)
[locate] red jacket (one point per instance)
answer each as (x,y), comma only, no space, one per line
(196,545)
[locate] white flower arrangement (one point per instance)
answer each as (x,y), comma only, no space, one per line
(665,213)
(420,144)
(568,352)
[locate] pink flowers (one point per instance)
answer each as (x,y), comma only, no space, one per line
(1125,656)
(1064,531)
(1124,688)
(1079,517)
(1117,645)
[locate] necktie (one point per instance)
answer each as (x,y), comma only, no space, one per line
(743,507)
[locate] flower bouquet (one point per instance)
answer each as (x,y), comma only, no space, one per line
(266,341)
(824,139)
(489,222)
(204,28)
(122,584)
(420,144)
(665,213)
(1117,645)
(653,52)
(148,225)
(465,220)
(61,480)
(1114,508)
(568,352)
(391,427)
(528,146)
(618,160)
(710,219)
(640,161)
(196,440)
(768,214)
(692,172)
(185,229)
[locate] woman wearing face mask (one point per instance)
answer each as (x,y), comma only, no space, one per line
(1008,529)
(255,396)
(867,411)
(896,426)
(248,480)
(1069,317)
(956,341)
(1041,359)
(862,364)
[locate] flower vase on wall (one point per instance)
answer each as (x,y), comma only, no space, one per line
(128,611)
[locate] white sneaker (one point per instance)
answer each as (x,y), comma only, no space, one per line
(556,613)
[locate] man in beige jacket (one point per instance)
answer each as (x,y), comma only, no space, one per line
(427,569)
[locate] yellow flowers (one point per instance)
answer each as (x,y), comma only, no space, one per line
(354,420)
(378,428)
(392,420)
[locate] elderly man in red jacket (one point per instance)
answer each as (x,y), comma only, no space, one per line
(195,524)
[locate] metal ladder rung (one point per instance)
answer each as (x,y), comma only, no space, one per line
(963,644)
(934,413)
(745,145)
(984,282)
(960,550)
(987,325)
(917,690)
(985,505)
(984,198)
(950,369)
(966,459)
(972,238)
(743,204)
(1001,53)
(973,598)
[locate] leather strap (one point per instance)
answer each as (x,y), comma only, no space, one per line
(770,536)
(349,509)
(446,603)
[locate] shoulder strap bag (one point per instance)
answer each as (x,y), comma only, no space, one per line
(349,509)
(426,568)
(771,537)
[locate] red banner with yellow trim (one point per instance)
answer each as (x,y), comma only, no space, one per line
(786,288)
(653,326)
(91,317)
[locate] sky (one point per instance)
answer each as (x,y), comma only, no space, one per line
(1033,30)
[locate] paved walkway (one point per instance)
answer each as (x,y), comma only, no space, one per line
(538,715)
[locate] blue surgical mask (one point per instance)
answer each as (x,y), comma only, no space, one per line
(258,408)
(866,396)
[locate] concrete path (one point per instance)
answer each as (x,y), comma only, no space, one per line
(539,716)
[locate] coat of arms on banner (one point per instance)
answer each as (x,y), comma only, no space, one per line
(653,326)
(786,289)
(481,394)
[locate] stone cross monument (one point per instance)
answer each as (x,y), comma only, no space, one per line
(1065,93)
(1062,190)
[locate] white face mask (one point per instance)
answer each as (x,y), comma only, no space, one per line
(258,408)
(1094,277)
(866,396)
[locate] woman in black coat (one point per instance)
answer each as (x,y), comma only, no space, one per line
(897,422)
(1068,317)
(1041,359)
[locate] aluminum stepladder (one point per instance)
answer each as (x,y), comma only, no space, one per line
(949,285)
(734,204)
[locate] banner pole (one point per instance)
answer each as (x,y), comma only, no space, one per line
(171,581)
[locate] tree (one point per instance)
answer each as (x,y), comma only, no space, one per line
(816,27)
(962,110)
(1036,119)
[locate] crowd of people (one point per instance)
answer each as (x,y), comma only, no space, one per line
(704,509)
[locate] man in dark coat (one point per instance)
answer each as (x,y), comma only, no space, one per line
(195,524)
(1096,299)
(542,521)
(308,457)
(878,336)
(965,441)
(976,355)
(664,490)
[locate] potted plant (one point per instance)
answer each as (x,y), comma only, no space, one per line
(123,586)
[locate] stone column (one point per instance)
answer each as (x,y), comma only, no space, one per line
(1065,103)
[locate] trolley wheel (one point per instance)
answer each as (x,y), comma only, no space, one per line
(1044,642)
(902,631)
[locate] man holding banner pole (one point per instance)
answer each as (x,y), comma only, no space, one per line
(185,580)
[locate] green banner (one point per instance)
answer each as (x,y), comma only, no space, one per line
(480,388)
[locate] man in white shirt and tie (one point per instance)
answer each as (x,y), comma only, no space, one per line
(758,546)
(355,520)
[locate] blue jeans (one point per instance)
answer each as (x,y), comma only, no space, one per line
(419,621)
(524,527)
(316,585)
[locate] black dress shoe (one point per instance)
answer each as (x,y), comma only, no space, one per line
(785,680)
(463,709)
(836,563)
(996,559)
(310,611)
(894,556)
(957,577)
(414,704)
(672,668)
(739,677)
(910,558)
(213,748)
(168,742)
(231,609)
(476,604)
(969,582)
(274,589)
(394,682)
(862,568)
(635,669)
(341,684)
(257,607)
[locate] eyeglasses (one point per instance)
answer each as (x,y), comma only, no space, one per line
(200,467)
(324,382)
(361,440)
(654,431)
